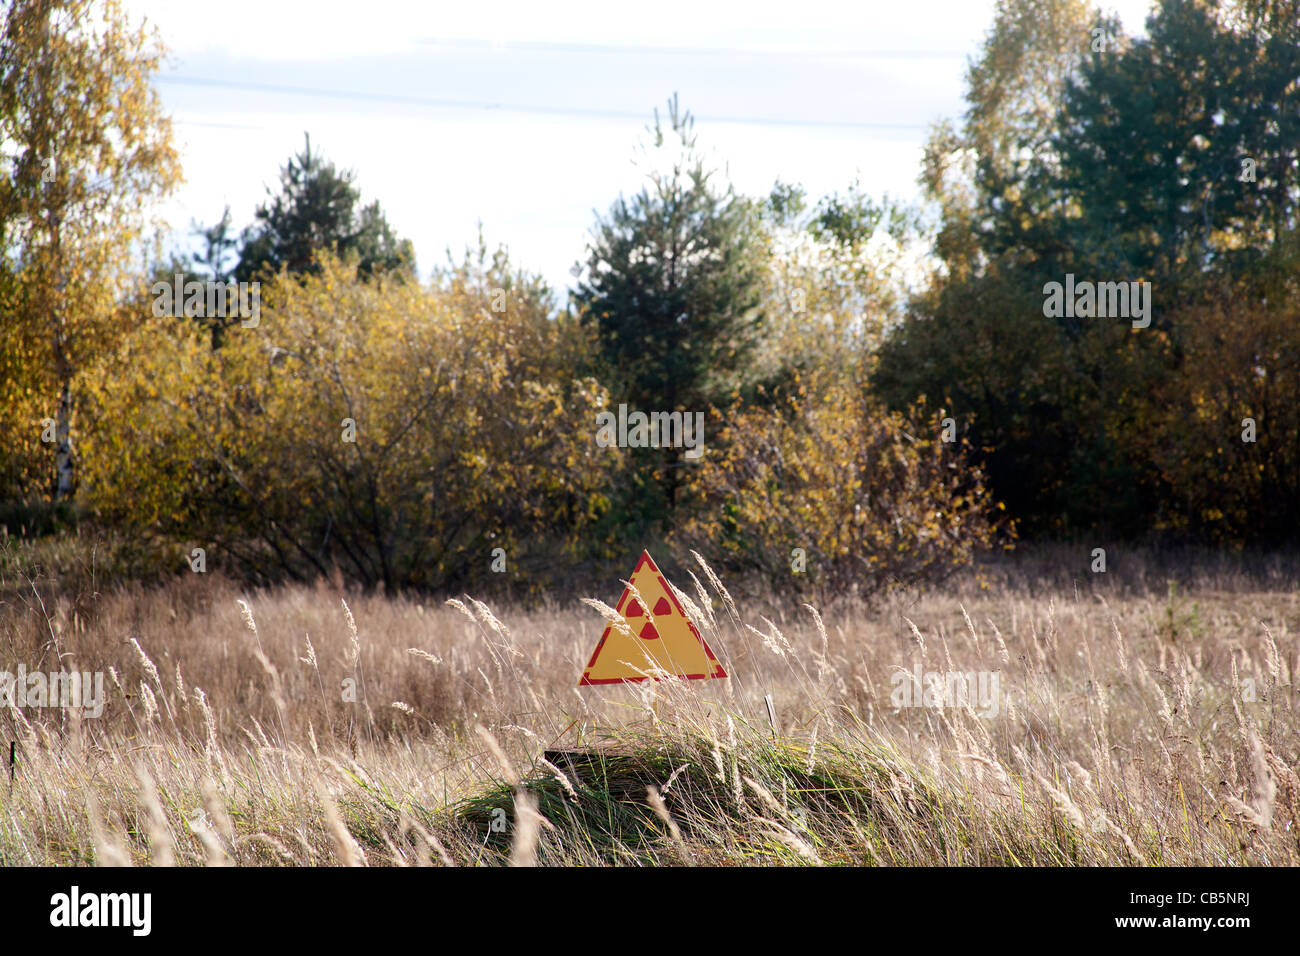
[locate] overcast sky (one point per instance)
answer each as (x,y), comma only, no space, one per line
(526,115)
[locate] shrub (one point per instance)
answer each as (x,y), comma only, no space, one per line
(874,498)
(398,432)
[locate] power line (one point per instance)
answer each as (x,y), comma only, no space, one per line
(208,125)
(589,113)
(621,49)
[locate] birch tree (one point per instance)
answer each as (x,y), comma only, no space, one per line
(85,149)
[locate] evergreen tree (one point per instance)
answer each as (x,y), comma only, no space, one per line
(315,209)
(672,282)
(672,288)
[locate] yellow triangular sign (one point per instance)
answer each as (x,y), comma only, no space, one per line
(663,640)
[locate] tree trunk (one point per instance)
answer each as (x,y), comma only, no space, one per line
(64,466)
(64,462)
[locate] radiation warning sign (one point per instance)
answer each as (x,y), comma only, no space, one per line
(663,642)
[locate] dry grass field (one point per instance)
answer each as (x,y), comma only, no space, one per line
(1138,722)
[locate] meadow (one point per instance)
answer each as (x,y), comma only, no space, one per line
(1146,716)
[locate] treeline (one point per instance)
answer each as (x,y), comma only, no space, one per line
(447,434)
(868,421)
(1169,161)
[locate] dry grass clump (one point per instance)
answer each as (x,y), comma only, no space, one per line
(1134,725)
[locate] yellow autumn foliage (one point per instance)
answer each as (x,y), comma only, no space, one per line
(871,499)
(401,432)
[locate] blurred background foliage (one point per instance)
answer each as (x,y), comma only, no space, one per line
(395,432)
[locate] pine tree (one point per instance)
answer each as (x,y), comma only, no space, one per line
(672,282)
(316,208)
